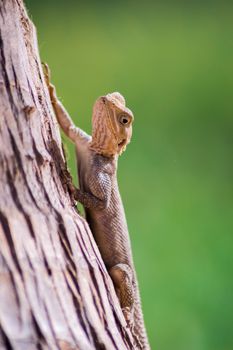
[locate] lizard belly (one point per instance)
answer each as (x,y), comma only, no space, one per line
(110,231)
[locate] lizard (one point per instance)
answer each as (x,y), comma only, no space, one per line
(97,159)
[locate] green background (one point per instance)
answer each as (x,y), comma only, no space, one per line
(173,62)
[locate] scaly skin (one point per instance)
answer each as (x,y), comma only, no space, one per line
(97,158)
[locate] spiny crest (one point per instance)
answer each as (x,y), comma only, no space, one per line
(116,98)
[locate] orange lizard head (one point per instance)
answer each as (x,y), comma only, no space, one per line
(111,125)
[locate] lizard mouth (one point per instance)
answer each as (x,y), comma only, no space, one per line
(122,143)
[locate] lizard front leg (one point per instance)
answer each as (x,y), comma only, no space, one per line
(99,191)
(88,200)
(74,133)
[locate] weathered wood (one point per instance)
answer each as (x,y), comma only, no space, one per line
(55,292)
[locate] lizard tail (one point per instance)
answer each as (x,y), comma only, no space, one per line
(139,331)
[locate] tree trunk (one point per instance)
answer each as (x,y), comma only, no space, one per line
(55,292)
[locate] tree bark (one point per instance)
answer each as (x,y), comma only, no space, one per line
(55,292)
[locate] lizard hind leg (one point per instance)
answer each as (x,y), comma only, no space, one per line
(122,277)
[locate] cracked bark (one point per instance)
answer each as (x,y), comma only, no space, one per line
(55,292)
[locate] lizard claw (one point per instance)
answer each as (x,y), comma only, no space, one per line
(51,88)
(47,73)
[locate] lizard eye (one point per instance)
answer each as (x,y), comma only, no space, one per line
(124,119)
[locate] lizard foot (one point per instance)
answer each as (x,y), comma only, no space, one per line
(47,73)
(127,312)
(51,87)
(122,277)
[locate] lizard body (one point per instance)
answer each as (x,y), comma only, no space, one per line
(97,158)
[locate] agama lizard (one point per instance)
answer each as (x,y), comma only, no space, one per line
(97,158)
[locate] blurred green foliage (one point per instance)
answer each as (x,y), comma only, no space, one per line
(174,64)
